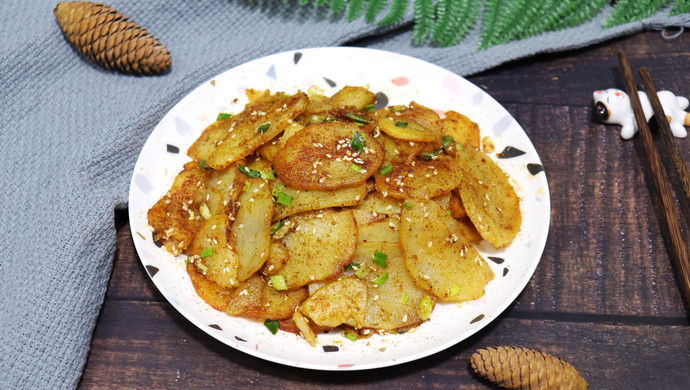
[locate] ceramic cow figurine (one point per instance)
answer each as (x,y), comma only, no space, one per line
(612,106)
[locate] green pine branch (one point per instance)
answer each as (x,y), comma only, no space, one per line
(446,22)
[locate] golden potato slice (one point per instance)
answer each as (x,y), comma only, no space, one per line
(254,298)
(321,157)
(468,230)
(410,123)
(488,197)
(302,323)
(217,297)
(461,129)
(262,126)
(307,200)
(391,304)
(321,108)
(270,149)
(212,253)
(215,133)
(319,245)
(457,211)
(278,256)
(406,131)
(251,231)
(379,231)
(416,179)
(175,217)
(343,301)
(377,204)
(440,260)
(224,189)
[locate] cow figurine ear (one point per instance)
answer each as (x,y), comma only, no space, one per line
(612,106)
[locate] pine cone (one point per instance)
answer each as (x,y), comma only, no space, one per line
(107,37)
(524,368)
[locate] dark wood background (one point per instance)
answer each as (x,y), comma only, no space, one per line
(603,297)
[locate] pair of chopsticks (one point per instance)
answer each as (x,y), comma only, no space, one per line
(680,259)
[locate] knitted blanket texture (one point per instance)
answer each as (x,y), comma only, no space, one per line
(71,133)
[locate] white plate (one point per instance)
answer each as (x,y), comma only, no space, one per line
(402,79)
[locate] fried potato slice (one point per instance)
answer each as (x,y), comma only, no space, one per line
(213,294)
(254,298)
(391,304)
(416,179)
(278,256)
(343,301)
(349,96)
(461,129)
(251,231)
(302,324)
(270,149)
(249,134)
(212,253)
(410,123)
(214,134)
(308,200)
(321,157)
(457,210)
(376,203)
(175,217)
(438,259)
(224,189)
(320,244)
(488,197)
(379,231)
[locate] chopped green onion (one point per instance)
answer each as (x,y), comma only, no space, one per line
(382,278)
(397,108)
(272,326)
(285,95)
(223,115)
(278,282)
(407,206)
(351,267)
(429,156)
(447,141)
(362,272)
(268,176)
(356,168)
(404,298)
(424,308)
(401,124)
(206,252)
(246,186)
(369,107)
(455,290)
(276,226)
(386,170)
(248,171)
(284,199)
(357,142)
(201,266)
(317,119)
(350,336)
(380,258)
(202,164)
(264,127)
(204,211)
(357,118)
(448,212)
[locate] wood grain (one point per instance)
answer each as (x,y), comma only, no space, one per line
(603,297)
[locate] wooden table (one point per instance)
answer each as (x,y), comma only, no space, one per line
(603,297)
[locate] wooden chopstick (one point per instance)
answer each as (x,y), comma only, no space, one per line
(680,259)
(665,130)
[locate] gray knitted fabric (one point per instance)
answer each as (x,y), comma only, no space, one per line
(71,132)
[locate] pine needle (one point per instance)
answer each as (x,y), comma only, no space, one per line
(355,9)
(338,5)
(423,20)
(680,7)
(627,11)
(373,9)
(395,13)
(454,19)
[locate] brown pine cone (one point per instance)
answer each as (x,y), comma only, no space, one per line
(524,368)
(107,37)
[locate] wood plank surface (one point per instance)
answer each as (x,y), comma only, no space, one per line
(603,297)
